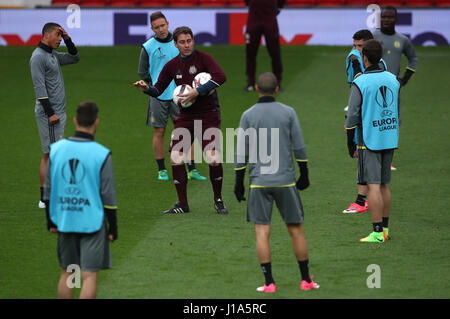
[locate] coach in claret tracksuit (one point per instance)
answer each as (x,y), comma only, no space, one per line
(205,108)
(80,197)
(373,107)
(262,20)
(155,53)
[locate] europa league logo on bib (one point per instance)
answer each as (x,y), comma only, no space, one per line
(73,171)
(384,97)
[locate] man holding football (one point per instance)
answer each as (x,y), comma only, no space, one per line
(155,53)
(205,110)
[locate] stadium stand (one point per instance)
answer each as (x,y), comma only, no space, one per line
(154,3)
(94,3)
(364,3)
(124,3)
(442,3)
(65,2)
(236,3)
(419,3)
(213,3)
(241,3)
(394,3)
(330,3)
(301,3)
(183,3)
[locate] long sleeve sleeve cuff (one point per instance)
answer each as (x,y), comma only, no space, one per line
(207,87)
(70,46)
(111,216)
(45,102)
(152,91)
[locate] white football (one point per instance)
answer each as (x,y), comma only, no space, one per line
(179,90)
(201,79)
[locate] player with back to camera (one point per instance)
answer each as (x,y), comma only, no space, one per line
(81,204)
(205,108)
(373,107)
(355,67)
(277,186)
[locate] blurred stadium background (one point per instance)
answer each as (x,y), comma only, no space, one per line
(217,3)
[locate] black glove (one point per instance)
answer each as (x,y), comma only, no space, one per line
(356,67)
(351,146)
(303,180)
(406,77)
(70,46)
(47,107)
(111,216)
(239,189)
(50,224)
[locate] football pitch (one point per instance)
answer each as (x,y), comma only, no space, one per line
(205,255)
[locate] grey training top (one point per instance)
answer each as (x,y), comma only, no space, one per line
(143,67)
(268,134)
(393,47)
(47,77)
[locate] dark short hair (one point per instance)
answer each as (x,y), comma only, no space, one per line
(182,30)
(363,35)
(387,8)
(372,50)
(87,113)
(157,15)
(48,27)
(267,83)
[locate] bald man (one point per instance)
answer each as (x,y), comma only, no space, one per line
(279,126)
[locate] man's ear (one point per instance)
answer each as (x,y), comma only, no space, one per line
(364,59)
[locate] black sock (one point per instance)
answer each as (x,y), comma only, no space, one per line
(304,270)
(378,227)
(191,165)
(361,200)
(161,164)
(385,222)
(42,194)
(267,271)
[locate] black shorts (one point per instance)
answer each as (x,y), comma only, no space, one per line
(287,199)
(91,252)
(374,167)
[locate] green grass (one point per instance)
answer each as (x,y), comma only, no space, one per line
(202,254)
